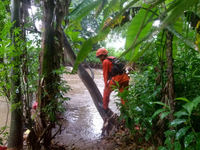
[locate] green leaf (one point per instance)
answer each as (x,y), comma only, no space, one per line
(170,133)
(176,122)
(189,107)
(83,9)
(182,99)
(112,6)
(163,104)
(157,112)
(182,38)
(180,114)
(162,148)
(168,142)
(181,132)
(86,48)
(164,114)
(196,101)
(138,28)
(180,7)
(189,139)
(177,145)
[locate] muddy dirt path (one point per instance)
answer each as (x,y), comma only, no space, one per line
(81,122)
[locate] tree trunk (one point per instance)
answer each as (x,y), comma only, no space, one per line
(28,122)
(47,66)
(15,140)
(50,59)
(170,73)
(87,80)
(168,94)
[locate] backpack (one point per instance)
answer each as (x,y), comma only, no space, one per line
(118,67)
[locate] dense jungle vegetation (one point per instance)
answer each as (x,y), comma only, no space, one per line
(162,46)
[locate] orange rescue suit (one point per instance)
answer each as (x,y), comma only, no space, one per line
(122,80)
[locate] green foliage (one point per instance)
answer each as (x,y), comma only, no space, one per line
(137,30)
(55,106)
(139,108)
(83,9)
(3,135)
(185,128)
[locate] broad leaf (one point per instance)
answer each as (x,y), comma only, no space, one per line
(189,107)
(170,133)
(176,122)
(189,139)
(138,28)
(180,114)
(83,9)
(181,132)
(177,145)
(158,112)
(164,114)
(196,101)
(162,148)
(86,48)
(178,9)
(182,99)
(182,38)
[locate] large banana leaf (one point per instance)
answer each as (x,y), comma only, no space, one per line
(178,10)
(83,9)
(87,46)
(139,28)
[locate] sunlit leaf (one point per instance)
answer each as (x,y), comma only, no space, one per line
(189,107)
(176,122)
(182,99)
(181,132)
(137,29)
(189,139)
(83,9)
(180,114)
(86,48)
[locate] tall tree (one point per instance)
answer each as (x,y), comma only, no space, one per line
(170,95)
(16,133)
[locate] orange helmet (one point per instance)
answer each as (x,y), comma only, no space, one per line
(101,51)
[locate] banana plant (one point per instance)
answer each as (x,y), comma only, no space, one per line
(141,30)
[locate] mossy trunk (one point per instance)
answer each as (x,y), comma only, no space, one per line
(15,140)
(48,89)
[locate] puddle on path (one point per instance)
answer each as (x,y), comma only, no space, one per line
(82,121)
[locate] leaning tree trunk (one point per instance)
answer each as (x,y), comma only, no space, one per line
(86,79)
(15,140)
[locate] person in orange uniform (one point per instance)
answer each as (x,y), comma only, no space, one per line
(122,80)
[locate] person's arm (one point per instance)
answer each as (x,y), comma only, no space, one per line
(106,69)
(107,91)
